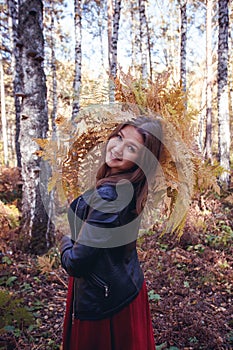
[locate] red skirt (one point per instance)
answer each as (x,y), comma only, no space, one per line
(130,329)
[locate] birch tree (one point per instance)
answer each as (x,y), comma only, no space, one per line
(134,37)
(143,39)
(170,35)
(183,42)
(113,48)
(50,24)
(54,37)
(17,71)
(209,77)
(109,26)
(3,114)
(78,56)
(54,78)
(36,223)
(223,101)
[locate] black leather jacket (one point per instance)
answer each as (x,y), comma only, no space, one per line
(102,252)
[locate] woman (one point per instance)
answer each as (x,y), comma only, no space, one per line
(107,293)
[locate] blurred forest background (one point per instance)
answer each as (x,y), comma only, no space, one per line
(58,58)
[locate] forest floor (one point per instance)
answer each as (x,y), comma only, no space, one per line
(190,281)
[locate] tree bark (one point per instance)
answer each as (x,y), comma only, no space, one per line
(208,140)
(114,42)
(54,78)
(183,43)
(3,115)
(78,56)
(100,32)
(110,19)
(36,223)
(223,101)
(17,79)
(134,41)
(143,40)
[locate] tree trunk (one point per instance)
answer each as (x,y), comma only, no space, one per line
(114,42)
(183,43)
(134,41)
(208,140)
(149,50)
(36,223)
(100,32)
(17,80)
(230,73)
(54,78)
(143,40)
(110,19)
(78,56)
(3,115)
(202,119)
(223,101)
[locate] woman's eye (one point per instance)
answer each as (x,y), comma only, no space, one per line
(131,149)
(119,137)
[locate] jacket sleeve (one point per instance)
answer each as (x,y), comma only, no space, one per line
(78,257)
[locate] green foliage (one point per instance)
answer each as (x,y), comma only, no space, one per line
(153,296)
(197,247)
(193,340)
(26,287)
(11,280)
(163,346)
(14,317)
(7,260)
(7,281)
(230,338)
(222,237)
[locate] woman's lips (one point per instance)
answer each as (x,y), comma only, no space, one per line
(115,157)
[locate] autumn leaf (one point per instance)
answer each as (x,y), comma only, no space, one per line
(41,142)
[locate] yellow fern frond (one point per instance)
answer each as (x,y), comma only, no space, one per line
(45,264)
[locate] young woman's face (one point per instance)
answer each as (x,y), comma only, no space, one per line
(124,149)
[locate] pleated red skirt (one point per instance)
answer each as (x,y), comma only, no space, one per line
(129,329)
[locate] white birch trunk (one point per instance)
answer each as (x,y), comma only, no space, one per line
(149,46)
(143,41)
(209,77)
(110,20)
(100,29)
(114,42)
(183,43)
(36,224)
(78,57)
(230,75)
(134,42)
(223,101)
(3,115)
(54,79)
(17,81)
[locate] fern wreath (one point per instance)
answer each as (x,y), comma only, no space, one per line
(171,194)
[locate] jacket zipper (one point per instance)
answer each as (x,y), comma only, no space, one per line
(99,282)
(75,215)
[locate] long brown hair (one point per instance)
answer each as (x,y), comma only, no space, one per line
(140,176)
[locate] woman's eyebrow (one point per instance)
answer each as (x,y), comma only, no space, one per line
(131,142)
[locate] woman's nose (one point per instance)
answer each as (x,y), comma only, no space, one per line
(119,149)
